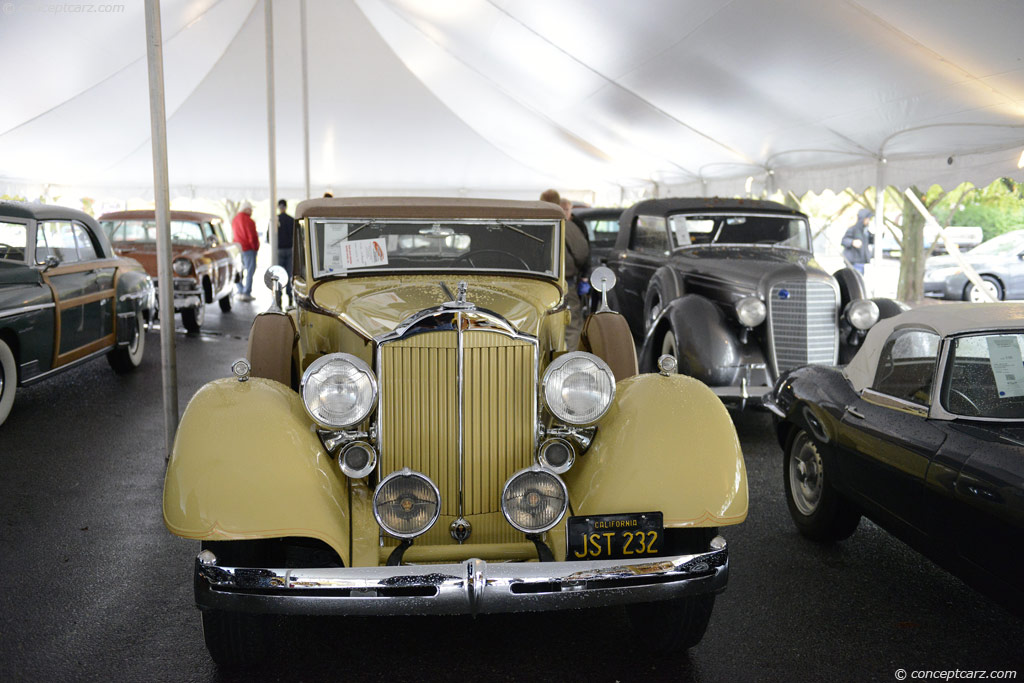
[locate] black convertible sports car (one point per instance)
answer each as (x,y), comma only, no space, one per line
(923,432)
(731,288)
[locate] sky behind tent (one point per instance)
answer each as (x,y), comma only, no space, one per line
(506,97)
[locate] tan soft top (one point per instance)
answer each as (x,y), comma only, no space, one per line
(425,207)
(942,319)
(150,214)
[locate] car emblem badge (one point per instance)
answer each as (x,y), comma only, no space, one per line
(783,293)
(461,529)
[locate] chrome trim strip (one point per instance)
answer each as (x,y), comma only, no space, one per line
(460,382)
(886,401)
(26,309)
(471,587)
(66,366)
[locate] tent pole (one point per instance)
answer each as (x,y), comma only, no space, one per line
(268,6)
(161,193)
(305,93)
(878,226)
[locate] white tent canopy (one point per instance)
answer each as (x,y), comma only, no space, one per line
(506,97)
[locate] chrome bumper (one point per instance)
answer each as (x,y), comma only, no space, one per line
(471,587)
(742,396)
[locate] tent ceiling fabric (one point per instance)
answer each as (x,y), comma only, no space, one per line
(504,97)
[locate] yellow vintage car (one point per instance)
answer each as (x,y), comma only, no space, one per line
(414,438)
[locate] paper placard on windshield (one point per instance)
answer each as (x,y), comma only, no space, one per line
(1007,365)
(335,236)
(364,253)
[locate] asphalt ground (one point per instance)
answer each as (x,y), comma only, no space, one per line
(97,590)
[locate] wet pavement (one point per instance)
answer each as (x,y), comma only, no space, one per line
(98,590)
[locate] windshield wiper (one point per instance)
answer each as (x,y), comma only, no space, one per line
(348,236)
(521,232)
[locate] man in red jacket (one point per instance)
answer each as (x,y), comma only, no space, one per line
(243,230)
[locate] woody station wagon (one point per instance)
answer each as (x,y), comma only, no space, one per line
(414,438)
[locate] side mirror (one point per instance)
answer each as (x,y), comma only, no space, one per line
(276,278)
(50,261)
(603,279)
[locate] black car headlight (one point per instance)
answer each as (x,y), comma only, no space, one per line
(406,504)
(534,500)
(862,313)
(751,311)
(338,390)
(182,267)
(578,388)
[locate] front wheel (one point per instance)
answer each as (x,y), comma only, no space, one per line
(818,511)
(126,359)
(672,626)
(8,380)
(977,296)
(193,317)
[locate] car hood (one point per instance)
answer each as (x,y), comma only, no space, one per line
(376,305)
(743,268)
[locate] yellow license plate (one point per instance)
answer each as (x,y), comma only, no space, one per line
(611,537)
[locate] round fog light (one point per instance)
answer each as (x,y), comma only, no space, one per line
(751,311)
(557,455)
(406,504)
(862,313)
(357,459)
(534,500)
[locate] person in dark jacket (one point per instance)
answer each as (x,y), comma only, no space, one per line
(577,258)
(858,240)
(285,231)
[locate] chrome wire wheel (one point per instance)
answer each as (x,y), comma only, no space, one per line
(806,476)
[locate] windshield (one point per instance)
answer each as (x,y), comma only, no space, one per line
(696,230)
(354,246)
(1008,243)
(185,233)
(985,377)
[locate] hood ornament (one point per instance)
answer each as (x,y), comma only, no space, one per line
(460,302)
(461,529)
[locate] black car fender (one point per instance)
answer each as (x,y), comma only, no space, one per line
(665,286)
(708,344)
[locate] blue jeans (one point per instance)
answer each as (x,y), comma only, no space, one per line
(284,259)
(859,267)
(249,266)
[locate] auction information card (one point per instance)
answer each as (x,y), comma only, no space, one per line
(342,254)
(1007,366)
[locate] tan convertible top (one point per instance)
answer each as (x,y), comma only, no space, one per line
(942,319)
(425,207)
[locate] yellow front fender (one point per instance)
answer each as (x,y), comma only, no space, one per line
(247,464)
(668,444)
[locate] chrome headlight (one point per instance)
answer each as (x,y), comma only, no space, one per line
(406,503)
(862,313)
(578,388)
(357,459)
(182,267)
(750,311)
(556,454)
(534,500)
(338,390)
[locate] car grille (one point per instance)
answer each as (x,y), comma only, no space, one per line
(418,419)
(803,318)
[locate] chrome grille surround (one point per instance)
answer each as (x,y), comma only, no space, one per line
(803,325)
(465,351)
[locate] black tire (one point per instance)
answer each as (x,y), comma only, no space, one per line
(226,301)
(8,380)
(237,640)
(972,294)
(125,360)
(192,318)
(672,626)
(818,510)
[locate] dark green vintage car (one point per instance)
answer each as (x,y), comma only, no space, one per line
(65,298)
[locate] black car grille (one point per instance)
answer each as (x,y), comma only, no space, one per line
(803,319)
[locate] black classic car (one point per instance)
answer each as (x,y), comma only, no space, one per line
(730,287)
(602,231)
(65,298)
(923,432)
